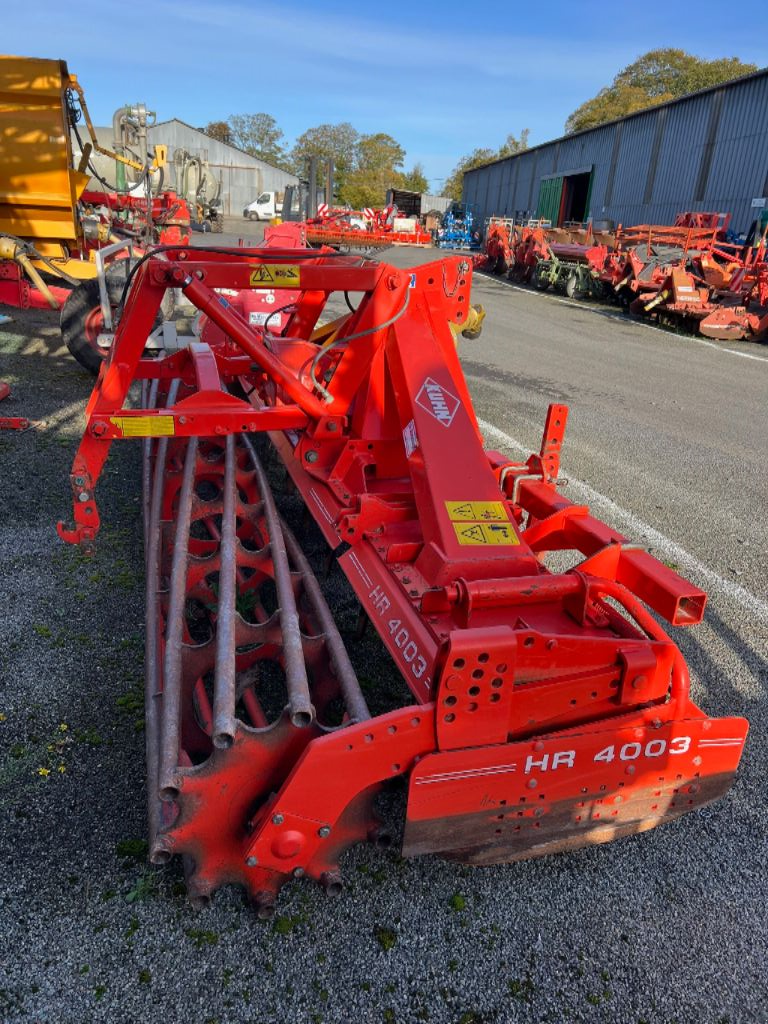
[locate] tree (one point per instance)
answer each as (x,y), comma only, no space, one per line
(655,77)
(514,145)
(337,142)
(414,180)
(218,130)
(379,159)
(454,183)
(259,135)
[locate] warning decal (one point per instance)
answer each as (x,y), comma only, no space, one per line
(276,275)
(488,511)
(144,426)
(485,533)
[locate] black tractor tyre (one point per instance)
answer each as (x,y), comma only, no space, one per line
(218,223)
(539,281)
(82,322)
(573,287)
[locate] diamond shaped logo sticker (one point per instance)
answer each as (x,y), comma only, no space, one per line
(437,401)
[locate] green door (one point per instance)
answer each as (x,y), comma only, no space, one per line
(550,194)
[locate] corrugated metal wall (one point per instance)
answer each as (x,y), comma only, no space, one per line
(431,202)
(705,152)
(243,176)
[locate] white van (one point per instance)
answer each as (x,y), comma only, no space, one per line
(267,206)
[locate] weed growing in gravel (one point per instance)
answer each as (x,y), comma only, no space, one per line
(522,989)
(202,938)
(133,849)
(386,938)
(457,902)
(144,888)
(284,925)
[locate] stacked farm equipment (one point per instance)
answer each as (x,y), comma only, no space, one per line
(548,710)
(58,240)
(685,275)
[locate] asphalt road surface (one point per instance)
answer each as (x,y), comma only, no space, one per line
(667,442)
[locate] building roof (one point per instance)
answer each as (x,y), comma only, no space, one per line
(237,149)
(761,72)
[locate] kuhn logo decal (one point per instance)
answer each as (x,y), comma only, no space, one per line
(437,401)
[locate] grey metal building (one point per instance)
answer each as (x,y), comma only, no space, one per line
(243,176)
(705,151)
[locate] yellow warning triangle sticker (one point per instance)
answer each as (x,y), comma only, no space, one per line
(262,275)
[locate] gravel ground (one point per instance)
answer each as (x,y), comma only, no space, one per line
(665,927)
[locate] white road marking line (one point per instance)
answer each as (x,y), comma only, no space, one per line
(633,526)
(637,323)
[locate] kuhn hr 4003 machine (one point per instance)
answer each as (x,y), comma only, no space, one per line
(549,708)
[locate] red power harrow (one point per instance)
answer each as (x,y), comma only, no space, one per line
(549,708)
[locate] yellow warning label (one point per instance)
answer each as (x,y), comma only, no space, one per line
(144,426)
(485,533)
(276,275)
(487,511)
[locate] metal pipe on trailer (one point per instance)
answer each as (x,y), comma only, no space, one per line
(152,686)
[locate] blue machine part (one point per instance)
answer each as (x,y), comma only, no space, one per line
(456,232)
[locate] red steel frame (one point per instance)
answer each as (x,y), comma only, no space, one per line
(550,710)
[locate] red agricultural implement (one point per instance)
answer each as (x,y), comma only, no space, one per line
(496,256)
(370,229)
(548,711)
(11,422)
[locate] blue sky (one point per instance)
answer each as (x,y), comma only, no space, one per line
(442,78)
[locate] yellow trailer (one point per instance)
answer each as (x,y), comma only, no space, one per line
(39,186)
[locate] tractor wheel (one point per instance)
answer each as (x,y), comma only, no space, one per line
(218,223)
(82,320)
(573,288)
(539,281)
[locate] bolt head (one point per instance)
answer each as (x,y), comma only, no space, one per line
(324,831)
(277,819)
(311,456)
(298,872)
(532,784)
(251,861)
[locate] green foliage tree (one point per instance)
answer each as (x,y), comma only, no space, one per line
(414,180)
(454,183)
(655,77)
(514,145)
(218,130)
(337,142)
(379,159)
(259,135)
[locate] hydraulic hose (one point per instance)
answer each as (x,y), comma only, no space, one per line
(10,249)
(21,245)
